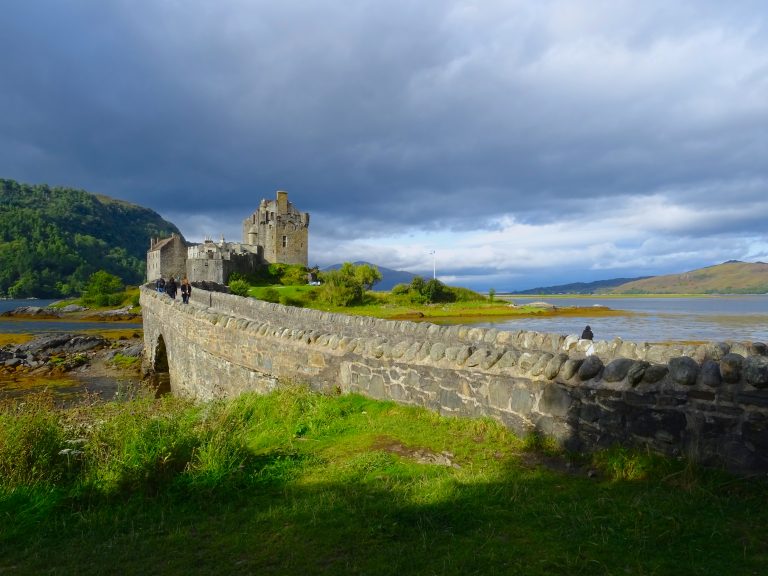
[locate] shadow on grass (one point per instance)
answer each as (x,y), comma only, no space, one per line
(289,513)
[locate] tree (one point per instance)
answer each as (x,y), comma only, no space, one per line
(103,289)
(340,288)
(367,275)
(436,291)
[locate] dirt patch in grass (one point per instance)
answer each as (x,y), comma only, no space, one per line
(420,455)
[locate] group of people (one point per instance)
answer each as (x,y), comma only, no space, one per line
(170,287)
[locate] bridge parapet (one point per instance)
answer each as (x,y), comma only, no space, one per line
(709,401)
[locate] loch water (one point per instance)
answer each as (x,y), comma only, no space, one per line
(652,319)
(26,326)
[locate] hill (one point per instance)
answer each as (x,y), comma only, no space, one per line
(580,287)
(389,277)
(52,239)
(732,277)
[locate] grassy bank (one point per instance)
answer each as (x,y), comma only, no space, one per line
(296,483)
(384,305)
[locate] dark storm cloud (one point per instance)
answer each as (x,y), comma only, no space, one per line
(398,118)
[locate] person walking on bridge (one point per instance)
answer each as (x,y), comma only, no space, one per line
(186,290)
(170,287)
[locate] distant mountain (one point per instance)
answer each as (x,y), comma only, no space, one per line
(389,277)
(581,287)
(53,239)
(732,277)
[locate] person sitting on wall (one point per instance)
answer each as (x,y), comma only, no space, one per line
(186,290)
(587,334)
(170,288)
(160,285)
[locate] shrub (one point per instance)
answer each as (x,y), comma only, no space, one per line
(269,295)
(367,275)
(436,291)
(417,284)
(239,287)
(294,276)
(287,300)
(400,289)
(465,294)
(103,289)
(340,289)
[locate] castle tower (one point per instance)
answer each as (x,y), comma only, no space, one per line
(280,229)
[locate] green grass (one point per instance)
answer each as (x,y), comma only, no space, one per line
(383,305)
(298,483)
(126,362)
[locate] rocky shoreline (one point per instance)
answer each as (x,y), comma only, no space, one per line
(72,365)
(73,312)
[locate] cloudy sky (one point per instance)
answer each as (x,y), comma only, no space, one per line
(526,142)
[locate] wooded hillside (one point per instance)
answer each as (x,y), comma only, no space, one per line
(53,239)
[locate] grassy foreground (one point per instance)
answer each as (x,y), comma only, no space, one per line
(298,483)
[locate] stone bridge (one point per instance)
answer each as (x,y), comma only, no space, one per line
(707,402)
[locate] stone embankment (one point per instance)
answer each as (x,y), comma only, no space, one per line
(708,402)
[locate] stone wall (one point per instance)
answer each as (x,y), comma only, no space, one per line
(708,402)
(167,257)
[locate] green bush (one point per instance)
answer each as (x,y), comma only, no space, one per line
(269,295)
(103,289)
(436,291)
(239,287)
(340,289)
(465,294)
(287,300)
(294,275)
(400,290)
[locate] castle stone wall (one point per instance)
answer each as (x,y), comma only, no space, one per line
(708,402)
(167,257)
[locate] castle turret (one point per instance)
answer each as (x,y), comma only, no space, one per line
(281,229)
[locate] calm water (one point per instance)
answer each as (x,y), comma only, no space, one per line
(13,326)
(655,319)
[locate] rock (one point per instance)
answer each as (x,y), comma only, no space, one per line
(36,311)
(710,374)
(654,373)
(545,305)
(684,370)
(72,308)
(58,343)
(133,351)
(758,349)
(636,372)
(554,365)
(756,371)
(570,368)
(617,369)
(730,367)
(590,368)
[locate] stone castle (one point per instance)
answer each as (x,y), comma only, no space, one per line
(276,232)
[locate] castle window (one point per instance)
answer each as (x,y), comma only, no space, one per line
(285,241)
